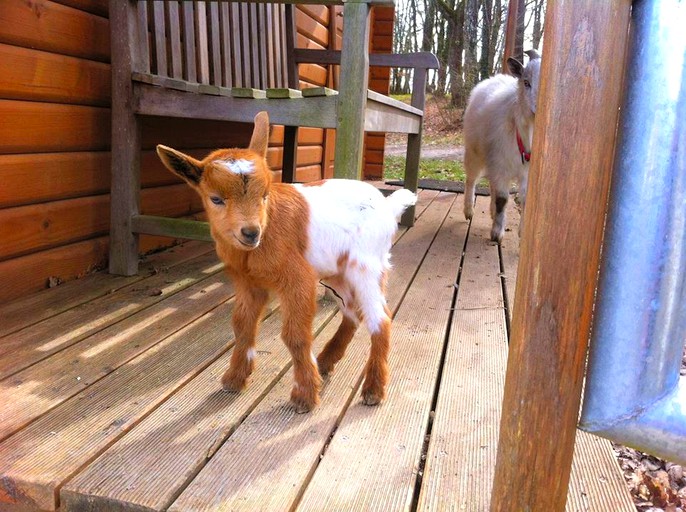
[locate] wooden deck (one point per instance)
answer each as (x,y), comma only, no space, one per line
(111,400)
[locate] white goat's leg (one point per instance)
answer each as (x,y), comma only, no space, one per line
(499,196)
(472,176)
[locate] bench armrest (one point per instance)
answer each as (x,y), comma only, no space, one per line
(419,60)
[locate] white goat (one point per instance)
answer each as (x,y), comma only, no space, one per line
(498,132)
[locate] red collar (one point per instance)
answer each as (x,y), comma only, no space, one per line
(526,155)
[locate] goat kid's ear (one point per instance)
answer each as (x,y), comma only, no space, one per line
(516,67)
(182,165)
(260,135)
(533,54)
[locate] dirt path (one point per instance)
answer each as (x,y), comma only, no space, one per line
(429,151)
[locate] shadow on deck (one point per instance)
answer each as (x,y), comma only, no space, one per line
(111,396)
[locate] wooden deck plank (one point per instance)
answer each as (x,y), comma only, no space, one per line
(461,459)
(596,482)
(43,386)
(40,458)
(36,342)
(203,419)
(36,307)
(364,467)
(481,267)
(269,459)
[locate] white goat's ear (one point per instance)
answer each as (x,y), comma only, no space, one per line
(182,165)
(533,54)
(516,67)
(260,135)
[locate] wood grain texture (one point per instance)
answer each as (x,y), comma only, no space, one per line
(36,307)
(351,112)
(84,363)
(56,28)
(35,75)
(40,458)
(560,251)
(35,127)
(37,342)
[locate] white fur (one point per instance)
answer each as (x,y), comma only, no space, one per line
(240,166)
(352,218)
(250,354)
(496,106)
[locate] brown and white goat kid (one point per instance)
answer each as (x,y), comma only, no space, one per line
(285,238)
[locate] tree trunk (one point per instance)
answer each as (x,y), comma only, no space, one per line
(539,11)
(457,89)
(486,55)
(471,21)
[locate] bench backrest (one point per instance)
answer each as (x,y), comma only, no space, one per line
(216,43)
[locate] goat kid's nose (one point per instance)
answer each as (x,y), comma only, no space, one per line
(250,233)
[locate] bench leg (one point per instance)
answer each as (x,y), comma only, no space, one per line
(414,146)
(352,97)
(290,154)
(126,147)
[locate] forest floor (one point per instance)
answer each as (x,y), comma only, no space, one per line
(656,485)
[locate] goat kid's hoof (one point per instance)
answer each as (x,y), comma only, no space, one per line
(233,384)
(324,368)
(301,403)
(370,397)
(496,236)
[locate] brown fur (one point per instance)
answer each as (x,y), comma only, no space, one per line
(260,232)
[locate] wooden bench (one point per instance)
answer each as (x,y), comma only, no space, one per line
(227,61)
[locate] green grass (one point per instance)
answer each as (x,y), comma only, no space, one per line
(451,170)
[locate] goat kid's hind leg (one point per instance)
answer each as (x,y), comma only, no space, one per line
(335,347)
(298,302)
(473,175)
(377,318)
(499,196)
(250,304)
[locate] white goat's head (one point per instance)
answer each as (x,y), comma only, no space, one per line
(528,78)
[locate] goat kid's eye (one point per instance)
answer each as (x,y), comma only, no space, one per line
(527,84)
(217,200)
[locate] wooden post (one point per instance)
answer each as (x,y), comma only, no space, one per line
(126,140)
(510,33)
(578,106)
(352,96)
(289,162)
(414,144)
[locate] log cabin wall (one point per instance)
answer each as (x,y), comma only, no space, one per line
(55,139)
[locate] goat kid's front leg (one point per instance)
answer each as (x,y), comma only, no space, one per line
(298,301)
(250,303)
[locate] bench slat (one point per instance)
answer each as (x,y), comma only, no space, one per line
(189,42)
(203,63)
(159,38)
(215,45)
(175,40)
(225,36)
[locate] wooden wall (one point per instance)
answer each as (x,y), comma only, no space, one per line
(55,140)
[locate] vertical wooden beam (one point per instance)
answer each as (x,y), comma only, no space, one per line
(510,33)
(290,133)
(126,138)
(352,96)
(414,143)
(581,86)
